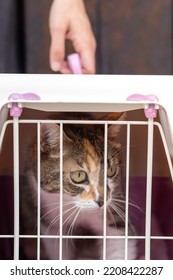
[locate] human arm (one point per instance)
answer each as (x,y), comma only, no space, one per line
(68,20)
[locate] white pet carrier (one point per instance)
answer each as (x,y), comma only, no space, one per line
(27,99)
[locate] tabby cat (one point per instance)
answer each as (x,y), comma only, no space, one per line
(83,193)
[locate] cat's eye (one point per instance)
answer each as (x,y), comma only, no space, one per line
(112,170)
(78,177)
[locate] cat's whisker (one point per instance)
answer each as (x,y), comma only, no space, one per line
(52,223)
(49,205)
(111,216)
(75,210)
(121,214)
(48,212)
(134,232)
(74,220)
(118,200)
(130,203)
(116,152)
(70,231)
(118,211)
(123,148)
(56,219)
(57,203)
(68,218)
(119,205)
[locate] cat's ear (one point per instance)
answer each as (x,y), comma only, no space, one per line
(114,129)
(50,137)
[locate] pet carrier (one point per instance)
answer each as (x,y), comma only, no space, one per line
(30,101)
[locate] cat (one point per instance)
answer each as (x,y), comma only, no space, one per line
(83,192)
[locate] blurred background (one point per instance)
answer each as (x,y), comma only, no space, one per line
(133,36)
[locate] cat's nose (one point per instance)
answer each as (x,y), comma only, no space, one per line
(100,202)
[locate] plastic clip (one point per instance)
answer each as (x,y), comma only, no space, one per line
(16,107)
(150,110)
(74,63)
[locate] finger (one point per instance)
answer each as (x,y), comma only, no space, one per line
(86,51)
(88,62)
(57,49)
(65,68)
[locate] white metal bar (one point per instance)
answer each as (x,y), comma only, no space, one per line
(7,236)
(84,122)
(61,192)
(3,133)
(149,189)
(38,191)
(4,116)
(89,237)
(165,148)
(16,186)
(127,190)
(105,188)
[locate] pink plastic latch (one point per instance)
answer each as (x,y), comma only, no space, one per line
(16,108)
(24,96)
(150,110)
(74,63)
(142,97)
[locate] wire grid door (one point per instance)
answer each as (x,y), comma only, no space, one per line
(150,124)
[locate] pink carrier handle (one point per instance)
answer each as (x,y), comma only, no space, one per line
(24,96)
(143,97)
(16,109)
(74,63)
(150,111)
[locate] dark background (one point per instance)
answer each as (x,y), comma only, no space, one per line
(133,36)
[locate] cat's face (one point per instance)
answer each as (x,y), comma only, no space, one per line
(83,162)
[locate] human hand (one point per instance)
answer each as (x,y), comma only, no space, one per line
(68,20)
